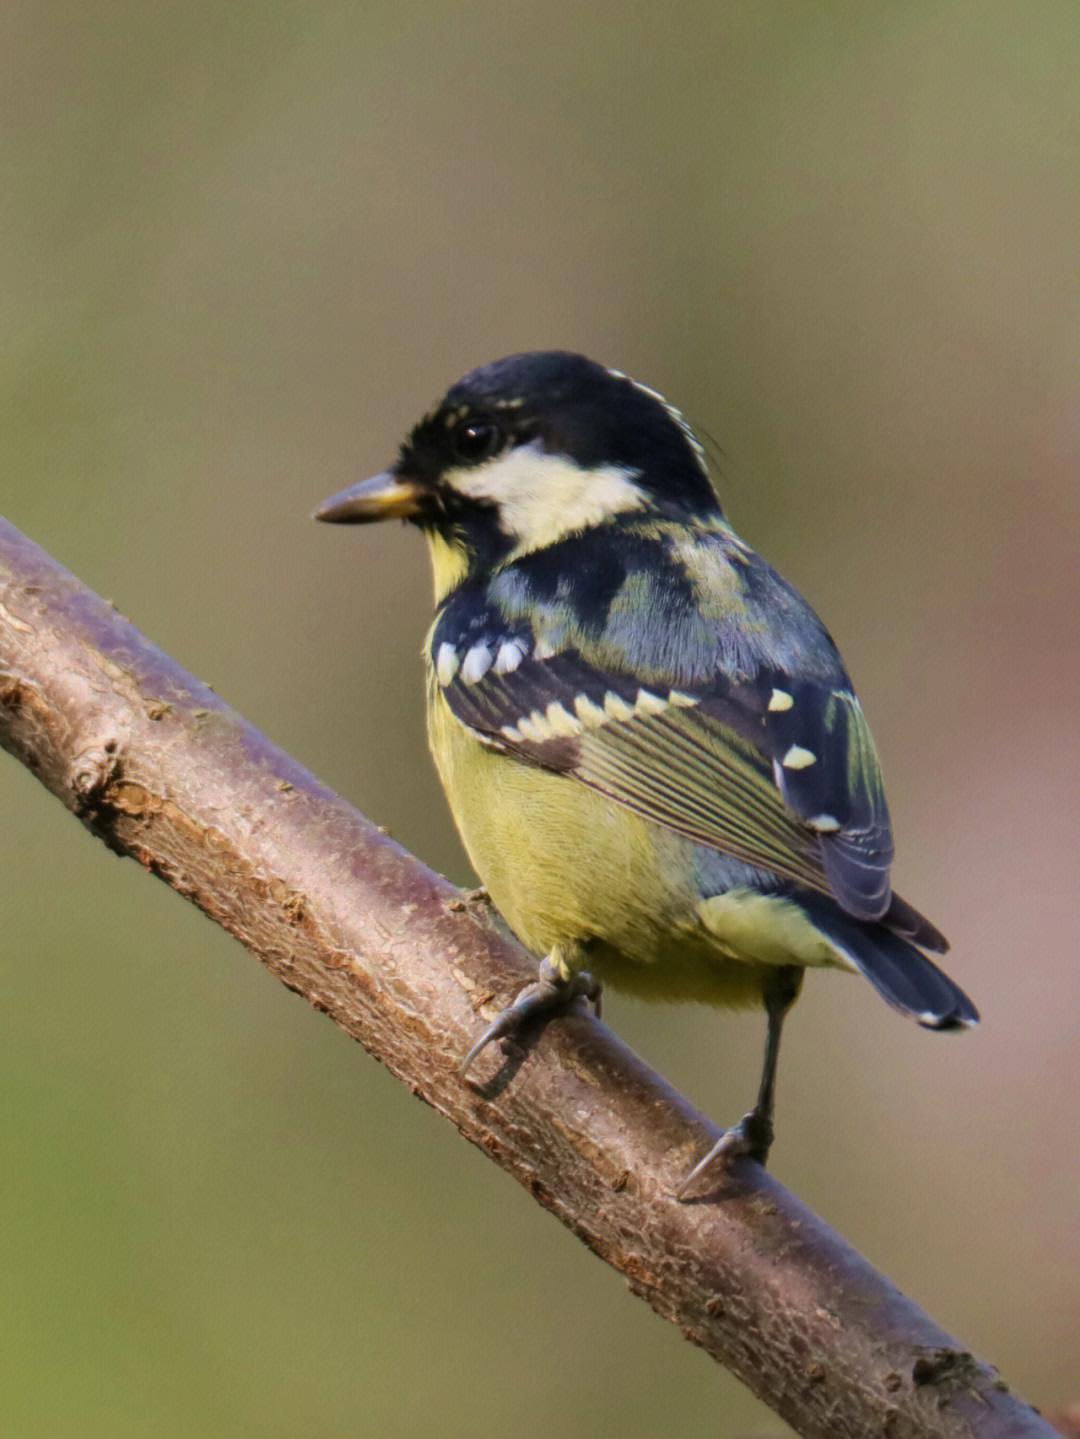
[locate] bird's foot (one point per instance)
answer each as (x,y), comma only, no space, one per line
(554,993)
(751,1138)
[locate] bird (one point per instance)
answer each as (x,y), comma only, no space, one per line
(650,745)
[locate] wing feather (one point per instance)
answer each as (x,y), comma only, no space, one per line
(765,756)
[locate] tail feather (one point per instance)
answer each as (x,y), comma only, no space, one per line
(904,919)
(899,972)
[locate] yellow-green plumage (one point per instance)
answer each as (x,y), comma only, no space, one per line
(647,738)
(571,871)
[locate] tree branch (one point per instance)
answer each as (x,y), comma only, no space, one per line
(159,768)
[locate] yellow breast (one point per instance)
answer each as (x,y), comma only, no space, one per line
(567,867)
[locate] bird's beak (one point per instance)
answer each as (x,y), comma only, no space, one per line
(383,497)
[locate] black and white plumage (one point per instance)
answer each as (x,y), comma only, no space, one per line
(699,795)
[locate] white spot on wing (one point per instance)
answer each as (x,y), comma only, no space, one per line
(682,701)
(543,725)
(824,823)
(590,715)
(649,704)
(527,731)
(798,758)
(511,653)
(534,728)
(780,700)
(561,721)
(446,663)
(544,649)
(616,708)
(477,663)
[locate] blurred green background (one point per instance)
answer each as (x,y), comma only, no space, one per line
(243,248)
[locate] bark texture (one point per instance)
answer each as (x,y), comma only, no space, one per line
(159,768)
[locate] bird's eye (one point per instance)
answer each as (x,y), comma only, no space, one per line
(475,441)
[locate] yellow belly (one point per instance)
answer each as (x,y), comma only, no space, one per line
(568,868)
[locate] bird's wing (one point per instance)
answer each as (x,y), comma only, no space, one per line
(705,695)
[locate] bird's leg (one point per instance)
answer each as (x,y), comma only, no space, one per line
(557,988)
(752,1137)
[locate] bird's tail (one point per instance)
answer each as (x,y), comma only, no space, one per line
(899,972)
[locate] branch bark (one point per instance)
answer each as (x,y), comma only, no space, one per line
(160,769)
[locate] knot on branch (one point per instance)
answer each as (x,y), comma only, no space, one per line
(92,771)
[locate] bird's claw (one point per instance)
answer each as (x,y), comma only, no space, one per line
(751,1138)
(553,993)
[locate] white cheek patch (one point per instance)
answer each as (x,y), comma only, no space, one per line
(539,497)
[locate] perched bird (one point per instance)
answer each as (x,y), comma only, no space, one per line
(648,739)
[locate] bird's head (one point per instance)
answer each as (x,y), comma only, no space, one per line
(527,451)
